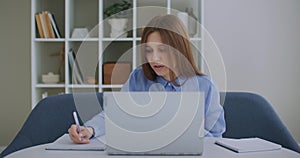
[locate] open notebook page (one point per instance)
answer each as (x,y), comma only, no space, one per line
(65,143)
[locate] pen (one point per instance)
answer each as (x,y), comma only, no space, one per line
(76,121)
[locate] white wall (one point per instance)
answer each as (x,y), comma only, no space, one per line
(260,44)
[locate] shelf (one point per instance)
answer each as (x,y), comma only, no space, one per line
(82,86)
(49,39)
(116,39)
(50,85)
(112,86)
(83,39)
(93,52)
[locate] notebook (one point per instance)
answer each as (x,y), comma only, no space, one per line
(247,145)
(65,143)
(154,123)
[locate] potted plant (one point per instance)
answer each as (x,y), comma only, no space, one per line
(117,9)
(117,14)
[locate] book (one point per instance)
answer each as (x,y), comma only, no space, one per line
(39,25)
(44,25)
(248,145)
(65,143)
(75,72)
(54,25)
(48,25)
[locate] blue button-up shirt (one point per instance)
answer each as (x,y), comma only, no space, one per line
(214,124)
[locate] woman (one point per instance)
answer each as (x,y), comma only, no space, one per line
(168,65)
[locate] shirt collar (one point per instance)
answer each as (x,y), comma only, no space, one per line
(179,80)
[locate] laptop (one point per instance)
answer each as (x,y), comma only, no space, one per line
(154,123)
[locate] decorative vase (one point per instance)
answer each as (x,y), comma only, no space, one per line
(118,27)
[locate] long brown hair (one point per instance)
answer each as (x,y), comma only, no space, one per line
(174,34)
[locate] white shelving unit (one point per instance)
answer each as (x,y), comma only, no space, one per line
(99,48)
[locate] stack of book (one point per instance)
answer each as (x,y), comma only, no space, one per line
(46,25)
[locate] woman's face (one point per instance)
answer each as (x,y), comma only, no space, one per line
(158,55)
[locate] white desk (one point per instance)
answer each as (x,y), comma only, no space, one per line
(210,151)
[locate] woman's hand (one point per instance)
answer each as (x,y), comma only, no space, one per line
(83,137)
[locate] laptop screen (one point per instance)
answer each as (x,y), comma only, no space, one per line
(154,122)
